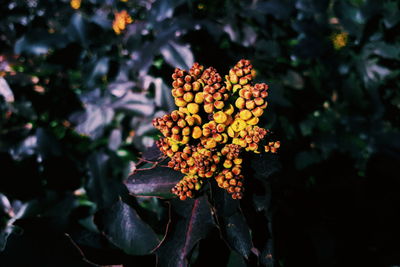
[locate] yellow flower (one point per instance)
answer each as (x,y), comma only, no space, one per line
(339,40)
(76,4)
(120,21)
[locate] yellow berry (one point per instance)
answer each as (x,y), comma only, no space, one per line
(188,97)
(186,130)
(193,108)
(228,84)
(259,101)
(190,120)
(197,132)
(229,109)
(220,117)
(252,121)
(197,186)
(211,143)
(236,87)
(231,132)
(218,138)
(238,161)
(227,164)
(181,123)
(240,103)
(252,147)
(243,80)
(245,114)
(250,104)
(257,112)
(208,108)
(197,119)
(233,78)
(185,140)
(180,102)
(253,73)
(199,98)
(196,86)
(174,147)
(219,104)
(221,127)
(225,138)
(238,125)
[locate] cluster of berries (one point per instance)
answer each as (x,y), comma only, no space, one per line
(121,20)
(216,121)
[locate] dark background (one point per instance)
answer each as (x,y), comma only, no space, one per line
(77,102)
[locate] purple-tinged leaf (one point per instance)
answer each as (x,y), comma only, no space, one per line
(155,182)
(93,120)
(135,102)
(264,165)
(232,223)
(153,153)
(177,55)
(100,187)
(237,233)
(190,223)
(123,227)
(5,91)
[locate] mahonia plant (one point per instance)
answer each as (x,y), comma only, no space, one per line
(215,123)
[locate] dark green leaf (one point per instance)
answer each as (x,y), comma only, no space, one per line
(185,230)
(236,260)
(306,158)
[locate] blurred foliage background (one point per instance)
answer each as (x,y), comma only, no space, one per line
(80,84)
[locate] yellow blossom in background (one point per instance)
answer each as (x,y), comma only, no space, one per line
(124,1)
(76,4)
(339,40)
(120,21)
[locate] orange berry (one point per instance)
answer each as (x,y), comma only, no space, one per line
(208,108)
(219,104)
